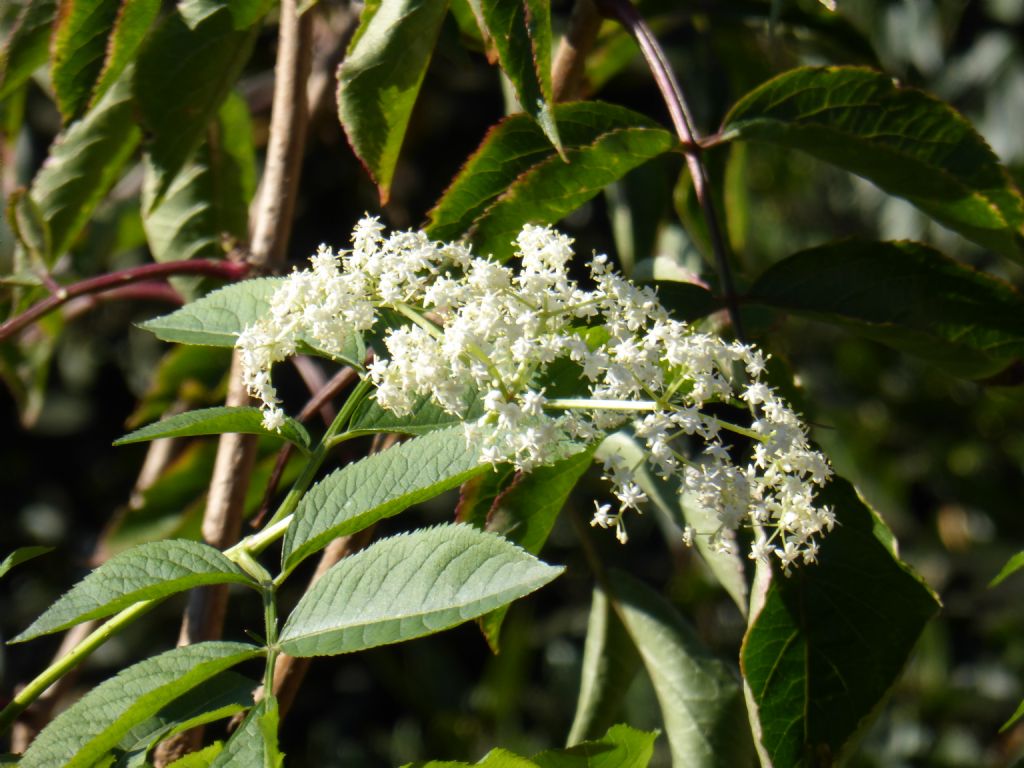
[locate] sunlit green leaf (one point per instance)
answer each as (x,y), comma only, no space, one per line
(78,49)
(700,695)
(94,724)
(410,585)
(178,95)
(244,13)
(906,295)
(380,78)
(426,415)
(202,759)
(515,176)
(27,44)
(216,421)
(133,21)
(379,486)
(145,572)
(254,744)
(21,555)
(829,641)
(908,143)
(1013,565)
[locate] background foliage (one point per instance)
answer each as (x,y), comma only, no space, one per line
(912,383)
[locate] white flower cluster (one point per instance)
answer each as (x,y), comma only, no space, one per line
(507,333)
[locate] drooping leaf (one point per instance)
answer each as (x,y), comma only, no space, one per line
(209,199)
(905,141)
(83,164)
(526,512)
(620,747)
(379,486)
(610,662)
(21,555)
(1013,565)
(78,49)
(520,31)
(380,78)
(222,696)
(178,95)
(145,572)
(515,176)
(426,416)
(411,585)
(219,317)
(94,724)
(906,295)
(216,421)
(700,695)
(244,13)
(27,45)
(134,18)
(829,641)
(254,744)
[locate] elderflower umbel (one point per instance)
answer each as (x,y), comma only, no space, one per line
(476,325)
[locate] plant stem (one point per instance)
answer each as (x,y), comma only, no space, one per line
(624,12)
(228,270)
(567,70)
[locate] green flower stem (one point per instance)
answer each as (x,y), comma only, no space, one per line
(62,666)
(584,403)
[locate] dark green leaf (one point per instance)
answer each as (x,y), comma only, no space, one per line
(84,163)
(905,141)
(134,19)
(27,45)
(829,641)
(686,301)
(78,49)
(516,177)
(379,486)
(1013,565)
(21,555)
(186,375)
(179,95)
(410,585)
(222,696)
(94,724)
(700,696)
(380,78)
(526,512)
(217,421)
(906,295)
(426,416)
(145,572)
(30,227)
(610,662)
(520,31)
(208,200)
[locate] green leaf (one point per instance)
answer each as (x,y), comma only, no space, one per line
(84,162)
(620,747)
(516,177)
(244,13)
(30,227)
(410,585)
(426,415)
(222,696)
(610,662)
(202,759)
(379,486)
(908,143)
(520,32)
(220,316)
(209,198)
(216,421)
(380,78)
(1013,718)
(21,555)
(686,301)
(1013,565)
(133,21)
(27,45)
(700,697)
(830,640)
(254,744)
(179,95)
(906,295)
(94,724)
(145,572)
(78,49)
(526,512)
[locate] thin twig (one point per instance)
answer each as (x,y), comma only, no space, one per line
(567,71)
(624,12)
(227,270)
